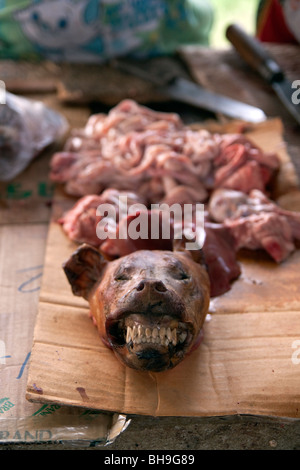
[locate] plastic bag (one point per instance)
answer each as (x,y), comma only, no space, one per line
(93,31)
(26,128)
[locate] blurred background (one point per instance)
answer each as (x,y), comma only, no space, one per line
(232,11)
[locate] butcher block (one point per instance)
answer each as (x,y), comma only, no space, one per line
(247,363)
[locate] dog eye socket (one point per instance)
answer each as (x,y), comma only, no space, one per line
(122,275)
(182,275)
(178,273)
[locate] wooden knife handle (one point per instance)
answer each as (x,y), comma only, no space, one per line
(251,50)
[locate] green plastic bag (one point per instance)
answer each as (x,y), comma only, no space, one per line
(88,31)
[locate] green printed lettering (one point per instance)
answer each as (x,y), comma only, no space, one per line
(2,400)
(14,191)
(5,405)
(39,410)
(45,189)
(46,410)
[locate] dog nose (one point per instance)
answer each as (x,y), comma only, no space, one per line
(151,285)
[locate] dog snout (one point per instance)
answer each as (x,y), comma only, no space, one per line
(151,285)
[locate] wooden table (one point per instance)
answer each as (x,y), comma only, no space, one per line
(25,207)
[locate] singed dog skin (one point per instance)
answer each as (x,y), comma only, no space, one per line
(149,306)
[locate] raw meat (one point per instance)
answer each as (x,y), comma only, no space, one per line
(256,222)
(164,161)
(149,294)
(80,224)
(135,147)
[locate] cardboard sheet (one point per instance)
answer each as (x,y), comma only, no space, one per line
(248,362)
(21,421)
(25,210)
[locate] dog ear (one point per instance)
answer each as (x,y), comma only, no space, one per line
(196,255)
(84,270)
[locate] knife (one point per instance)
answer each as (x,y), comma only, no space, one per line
(252,51)
(189,92)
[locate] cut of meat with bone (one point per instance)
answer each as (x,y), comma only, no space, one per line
(256,222)
(231,204)
(80,222)
(268,231)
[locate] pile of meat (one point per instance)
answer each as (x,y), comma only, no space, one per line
(153,153)
(153,157)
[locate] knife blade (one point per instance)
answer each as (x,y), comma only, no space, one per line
(189,92)
(252,51)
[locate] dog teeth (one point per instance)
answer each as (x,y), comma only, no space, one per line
(128,335)
(174,336)
(182,336)
(140,331)
(162,333)
(169,334)
(137,334)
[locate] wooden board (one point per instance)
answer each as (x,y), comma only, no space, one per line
(247,363)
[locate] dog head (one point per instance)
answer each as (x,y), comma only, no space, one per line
(149,306)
